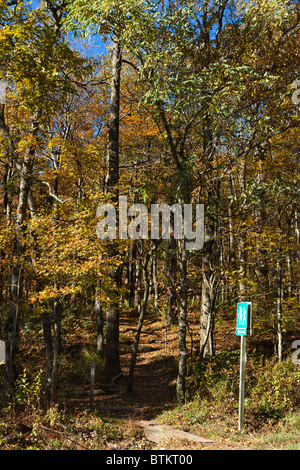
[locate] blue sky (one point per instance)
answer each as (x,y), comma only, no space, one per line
(91,46)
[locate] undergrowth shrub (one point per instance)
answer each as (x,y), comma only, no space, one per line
(30,389)
(216,379)
(76,371)
(271,391)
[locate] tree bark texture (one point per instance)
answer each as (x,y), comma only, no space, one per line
(112,358)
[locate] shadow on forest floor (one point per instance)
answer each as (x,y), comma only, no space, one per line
(154,391)
(154,386)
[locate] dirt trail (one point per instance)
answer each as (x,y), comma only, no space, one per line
(154,389)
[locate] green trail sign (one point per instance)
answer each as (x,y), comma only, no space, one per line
(244,319)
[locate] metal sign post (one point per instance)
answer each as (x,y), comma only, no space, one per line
(242,382)
(243,328)
(92,388)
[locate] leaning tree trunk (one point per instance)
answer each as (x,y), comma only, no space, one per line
(155,282)
(143,308)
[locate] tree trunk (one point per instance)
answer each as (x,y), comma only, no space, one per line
(57,313)
(132,274)
(140,324)
(112,173)
(279,309)
(16,272)
(155,283)
(100,325)
(207,304)
(171,317)
(182,363)
(112,359)
(48,348)
(8,173)
(242,287)
(138,287)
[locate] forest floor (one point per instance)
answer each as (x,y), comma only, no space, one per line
(154,393)
(121,420)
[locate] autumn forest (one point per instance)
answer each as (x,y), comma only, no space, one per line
(162,102)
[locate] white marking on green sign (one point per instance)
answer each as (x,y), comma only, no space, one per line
(243,319)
